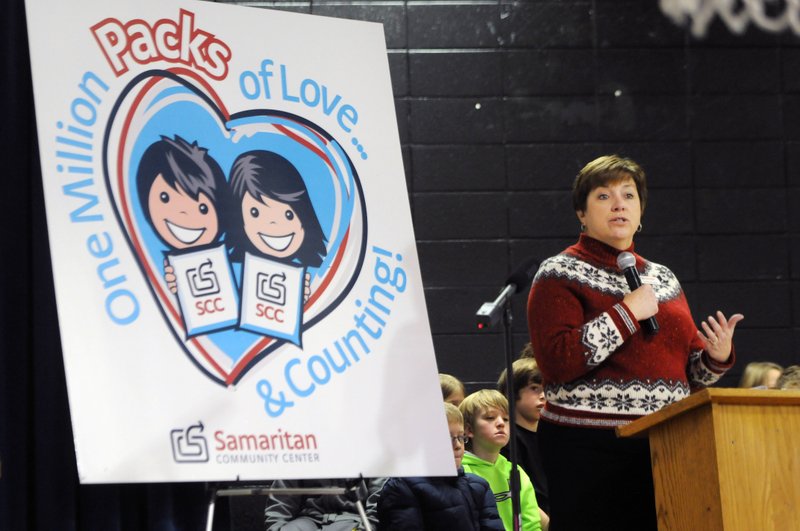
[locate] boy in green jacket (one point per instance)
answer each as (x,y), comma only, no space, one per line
(486,425)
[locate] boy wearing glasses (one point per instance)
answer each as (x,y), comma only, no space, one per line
(464,502)
(486,424)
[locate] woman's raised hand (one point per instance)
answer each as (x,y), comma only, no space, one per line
(718,336)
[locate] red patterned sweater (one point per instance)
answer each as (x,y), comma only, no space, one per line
(599,368)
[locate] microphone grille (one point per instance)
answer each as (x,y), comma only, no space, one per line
(523,274)
(626,260)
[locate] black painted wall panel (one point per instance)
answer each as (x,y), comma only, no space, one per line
(402,111)
(458,168)
(793,209)
(548,24)
(544,166)
(795,301)
(390,14)
(634,24)
(456,121)
(776,345)
(735,71)
(669,211)
(764,304)
(398,69)
(720,36)
(739,164)
(721,257)
(678,252)
(550,119)
(789,60)
(473,357)
(792,150)
(541,213)
(463,262)
(668,164)
(736,116)
(794,268)
(452,310)
(632,117)
(544,72)
(501,102)
(644,71)
(537,247)
(436,73)
(791,116)
(740,211)
(453,25)
(447,216)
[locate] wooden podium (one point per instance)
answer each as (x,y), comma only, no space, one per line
(725,459)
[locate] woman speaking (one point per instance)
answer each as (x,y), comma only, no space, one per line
(601,367)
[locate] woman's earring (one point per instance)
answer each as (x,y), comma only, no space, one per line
(640,228)
(583,227)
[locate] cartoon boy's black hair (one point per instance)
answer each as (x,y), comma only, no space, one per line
(189,165)
(265,173)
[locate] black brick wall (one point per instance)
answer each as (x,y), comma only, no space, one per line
(499,103)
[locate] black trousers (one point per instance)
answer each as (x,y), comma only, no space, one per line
(596,480)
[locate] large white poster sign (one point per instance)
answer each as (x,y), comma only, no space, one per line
(236,275)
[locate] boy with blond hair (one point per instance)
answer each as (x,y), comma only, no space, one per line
(486,425)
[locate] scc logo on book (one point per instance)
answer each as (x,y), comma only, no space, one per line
(189,444)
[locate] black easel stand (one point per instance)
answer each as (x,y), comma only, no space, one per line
(355,489)
(487,316)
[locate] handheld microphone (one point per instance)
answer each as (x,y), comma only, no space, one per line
(627,263)
(489,313)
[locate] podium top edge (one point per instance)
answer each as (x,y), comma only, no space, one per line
(711,395)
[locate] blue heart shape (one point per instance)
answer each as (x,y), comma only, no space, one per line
(173,103)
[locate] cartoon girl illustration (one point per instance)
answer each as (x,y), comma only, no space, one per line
(182,191)
(273,216)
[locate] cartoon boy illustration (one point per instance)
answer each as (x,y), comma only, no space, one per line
(183,195)
(181,191)
(276,235)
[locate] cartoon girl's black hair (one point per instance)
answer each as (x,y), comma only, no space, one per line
(265,173)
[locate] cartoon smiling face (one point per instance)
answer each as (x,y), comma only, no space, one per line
(180,220)
(273,227)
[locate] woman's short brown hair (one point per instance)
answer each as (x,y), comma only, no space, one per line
(603,171)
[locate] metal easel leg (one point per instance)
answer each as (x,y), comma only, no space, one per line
(211,503)
(363,515)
